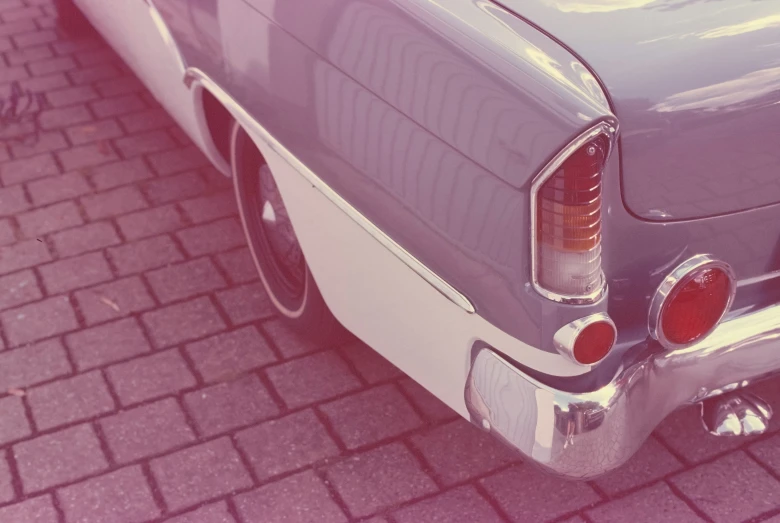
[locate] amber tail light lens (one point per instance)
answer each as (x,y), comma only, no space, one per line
(695,305)
(568,223)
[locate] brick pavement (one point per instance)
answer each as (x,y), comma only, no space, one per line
(143,376)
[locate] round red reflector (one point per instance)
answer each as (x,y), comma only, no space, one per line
(695,305)
(594,342)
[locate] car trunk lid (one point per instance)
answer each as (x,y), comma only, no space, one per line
(696,87)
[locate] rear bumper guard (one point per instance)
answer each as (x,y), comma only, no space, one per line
(584,435)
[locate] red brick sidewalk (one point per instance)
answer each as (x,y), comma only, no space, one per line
(144,377)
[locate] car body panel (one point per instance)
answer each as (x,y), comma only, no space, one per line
(371,291)
(696,86)
(352,307)
(461,219)
(440,153)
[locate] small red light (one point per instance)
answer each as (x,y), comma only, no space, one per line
(695,305)
(594,342)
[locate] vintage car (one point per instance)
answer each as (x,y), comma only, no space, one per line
(561,217)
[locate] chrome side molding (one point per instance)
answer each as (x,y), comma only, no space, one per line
(195,76)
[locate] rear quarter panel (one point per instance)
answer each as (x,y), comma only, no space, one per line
(430,120)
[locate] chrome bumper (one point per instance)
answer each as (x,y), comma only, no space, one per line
(583,435)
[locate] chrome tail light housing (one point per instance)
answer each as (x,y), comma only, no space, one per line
(566,219)
(691,301)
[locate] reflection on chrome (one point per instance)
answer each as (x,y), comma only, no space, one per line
(724,95)
(736,414)
(583,435)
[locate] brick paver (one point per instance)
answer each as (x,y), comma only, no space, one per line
(211,513)
(57,458)
(230,405)
(246,303)
(459,505)
(379,479)
(199,473)
(39,320)
(107,343)
(41,221)
(75,273)
(144,375)
(656,504)
(458,451)
(33,510)
(151,376)
(289,342)
(526,494)
(147,430)
(14,421)
(224,356)
(286,444)
(302,497)
(113,300)
(145,254)
(312,379)
(6,481)
(369,417)
(183,322)
(736,487)
(122,495)
(72,399)
(18,288)
(150,222)
(33,364)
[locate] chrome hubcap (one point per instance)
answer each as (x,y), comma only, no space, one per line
(279,230)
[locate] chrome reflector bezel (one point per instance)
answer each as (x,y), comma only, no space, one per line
(695,263)
(608,129)
(565,338)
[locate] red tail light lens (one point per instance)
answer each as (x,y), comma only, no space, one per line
(567,260)
(594,342)
(695,305)
(586,340)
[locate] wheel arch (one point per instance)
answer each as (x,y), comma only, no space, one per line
(215,124)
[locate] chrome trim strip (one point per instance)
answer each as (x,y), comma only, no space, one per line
(194,75)
(566,336)
(758,279)
(610,130)
(584,435)
(699,261)
(166,35)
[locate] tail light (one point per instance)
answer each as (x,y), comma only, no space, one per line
(692,300)
(586,341)
(566,220)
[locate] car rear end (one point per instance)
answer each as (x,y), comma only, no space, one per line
(670,213)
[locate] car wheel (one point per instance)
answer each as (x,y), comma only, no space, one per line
(275,248)
(70,18)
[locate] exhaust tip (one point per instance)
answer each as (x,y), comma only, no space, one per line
(736,414)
